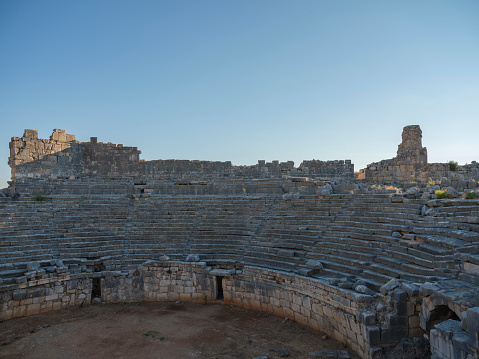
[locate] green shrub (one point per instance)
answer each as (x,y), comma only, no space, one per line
(471,195)
(453,166)
(40,197)
(441,194)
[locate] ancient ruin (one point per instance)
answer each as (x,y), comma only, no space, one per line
(385,260)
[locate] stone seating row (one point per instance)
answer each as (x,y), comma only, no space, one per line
(262,231)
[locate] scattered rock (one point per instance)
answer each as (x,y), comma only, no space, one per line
(326,190)
(393,283)
(281,352)
(363,289)
(381,307)
(451,191)
(412,190)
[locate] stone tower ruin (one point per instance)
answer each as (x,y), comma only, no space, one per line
(411,139)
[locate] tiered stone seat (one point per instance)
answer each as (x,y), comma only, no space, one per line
(25,233)
(224,227)
(160,225)
(90,228)
(290,229)
(362,235)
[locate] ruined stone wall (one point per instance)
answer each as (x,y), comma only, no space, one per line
(61,162)
(468,172)
(407,166)
(328,169)
(33,158)
(44,293)
(410,165)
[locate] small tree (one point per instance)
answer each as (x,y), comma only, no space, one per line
(453,165)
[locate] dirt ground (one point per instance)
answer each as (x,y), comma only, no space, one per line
(159,331)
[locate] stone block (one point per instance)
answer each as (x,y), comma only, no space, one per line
(393,335)
(372,334)
(473,326)
(30,134)
(19,295)
(368,318)
(400,302)
(396,321)
(314,265)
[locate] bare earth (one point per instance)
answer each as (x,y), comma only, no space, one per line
(159,331)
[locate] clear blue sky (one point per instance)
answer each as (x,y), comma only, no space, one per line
(244,80)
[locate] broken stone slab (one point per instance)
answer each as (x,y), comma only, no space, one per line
(389,286)
(427,289)
(412,190)
(222,272)
(193,258)
(397,199)
(314,264)
(363,289)
(305,272)
(33,266)
(362,298)
(410,288)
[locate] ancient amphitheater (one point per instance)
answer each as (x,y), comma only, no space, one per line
(377,260)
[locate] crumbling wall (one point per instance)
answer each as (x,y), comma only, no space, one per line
(34,158)
(328,169)
(407,166)
(40,165)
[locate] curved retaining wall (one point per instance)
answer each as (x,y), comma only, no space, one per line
(312,302)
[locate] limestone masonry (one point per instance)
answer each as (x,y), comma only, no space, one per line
(385,260)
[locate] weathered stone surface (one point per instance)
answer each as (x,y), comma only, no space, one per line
(326,190)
